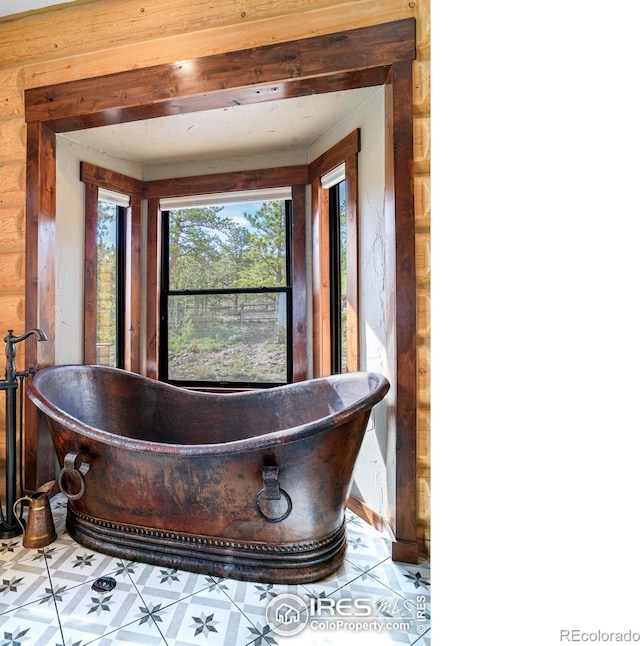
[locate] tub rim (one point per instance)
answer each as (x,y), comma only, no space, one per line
(270,439)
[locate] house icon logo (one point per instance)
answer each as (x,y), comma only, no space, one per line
(287,615)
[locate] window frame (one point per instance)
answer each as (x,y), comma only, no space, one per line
(359,57)
(335,274)
(128,350)
(324,337)
(166,292)
(120,280)
(296,177)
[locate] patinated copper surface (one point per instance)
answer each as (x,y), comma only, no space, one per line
(247,485)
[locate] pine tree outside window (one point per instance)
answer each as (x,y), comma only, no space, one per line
(225,307)
(110,260)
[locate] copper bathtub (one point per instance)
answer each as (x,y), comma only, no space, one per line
(248,485)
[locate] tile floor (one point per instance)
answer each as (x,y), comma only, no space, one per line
(46,599)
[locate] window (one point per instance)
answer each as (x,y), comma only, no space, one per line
(336,329)
(338,272)
(110,276)
(225,300)
(111,267)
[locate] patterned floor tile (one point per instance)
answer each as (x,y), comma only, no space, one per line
(349,515)
(257,595)
(74,563)
(12,551)
(90,614)
(161,586)
(343,637)
(135,633)
(207,617)
(260,633)
(31,625)
(376,609)
(46,597)
(365,546)
(404,594)
(252,599)
(58,506)
(346,573)
(408,580)
(397,594)
(21,584)
(134,621)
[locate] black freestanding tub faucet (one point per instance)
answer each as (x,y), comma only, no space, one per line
(9,525)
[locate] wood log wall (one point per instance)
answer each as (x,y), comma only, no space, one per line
(87,39)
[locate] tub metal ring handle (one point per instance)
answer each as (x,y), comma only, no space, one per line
(272,491)
(71,469)
(273,519)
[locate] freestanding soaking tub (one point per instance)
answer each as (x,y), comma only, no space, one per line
(249,485)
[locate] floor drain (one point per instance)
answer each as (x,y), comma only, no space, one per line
(104,584)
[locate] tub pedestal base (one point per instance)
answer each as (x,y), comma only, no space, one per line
(221,557)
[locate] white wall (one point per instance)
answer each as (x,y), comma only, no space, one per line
(70,241)
(370,478)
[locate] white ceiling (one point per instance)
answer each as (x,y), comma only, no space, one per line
(284,126)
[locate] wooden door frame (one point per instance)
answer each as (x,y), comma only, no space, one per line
(368,56)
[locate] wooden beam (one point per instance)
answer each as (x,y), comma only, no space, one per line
(71,36)
(150,360)
(40,242)
(349,146)
(263,73)
(243,180)
(92,174)
(299,283)
(400,239)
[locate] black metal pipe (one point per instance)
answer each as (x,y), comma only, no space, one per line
(9,525)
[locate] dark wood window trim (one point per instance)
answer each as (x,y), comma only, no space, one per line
(151,363)
(342,61)
(90,302)
(90,284)
(94,178)
(345,151)
(296,177)
(400,240)
(364,57)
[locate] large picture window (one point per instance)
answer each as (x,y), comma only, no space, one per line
(225,306)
